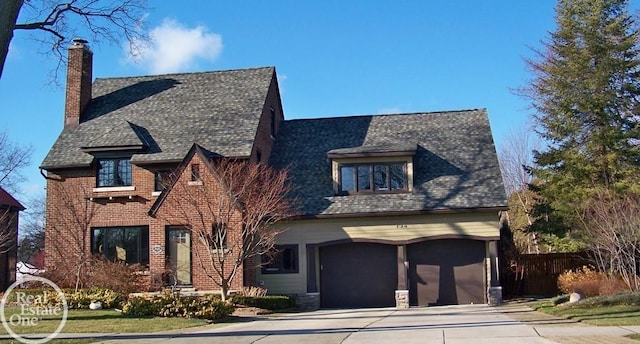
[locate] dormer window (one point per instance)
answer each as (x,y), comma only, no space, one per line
(114,172)
(372,169)
(373,177)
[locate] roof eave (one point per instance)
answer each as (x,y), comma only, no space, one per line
(401,213)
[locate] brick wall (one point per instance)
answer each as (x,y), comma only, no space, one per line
(195,204)
(79,78)
(264,140)
(74,206)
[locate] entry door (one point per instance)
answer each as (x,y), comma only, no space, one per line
(179,255)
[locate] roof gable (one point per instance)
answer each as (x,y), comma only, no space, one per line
(195,151)
(6,200)
(167,114)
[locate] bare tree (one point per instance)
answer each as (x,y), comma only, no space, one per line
(515,156)
(13,158)
(232,213)
(60,21)
(612,224)
(8,229)
(68,230)
(32,224)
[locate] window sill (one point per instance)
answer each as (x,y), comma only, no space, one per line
(156,193)
(279,272)
(114,188)
(377,192)
(197,182)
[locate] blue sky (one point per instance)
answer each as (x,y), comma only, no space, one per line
(333,58)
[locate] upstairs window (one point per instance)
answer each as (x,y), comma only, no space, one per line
(114,172)
(195,172)
(373,177)
(162,180)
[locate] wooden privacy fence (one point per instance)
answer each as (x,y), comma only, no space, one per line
(537,274)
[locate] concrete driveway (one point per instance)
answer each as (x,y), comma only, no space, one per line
(449,324)
(454,324)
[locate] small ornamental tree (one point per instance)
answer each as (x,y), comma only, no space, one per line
(232,209)
(612,224)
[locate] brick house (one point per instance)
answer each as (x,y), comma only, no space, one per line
(10,210)
(393,209)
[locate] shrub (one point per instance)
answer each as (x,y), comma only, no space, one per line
(139,307)
(82,298)
(208,307)
(253,291)
(624,299)
(272,302)
(560,299)
(589,282)
(100,273)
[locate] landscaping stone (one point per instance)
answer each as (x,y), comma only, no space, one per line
(575,297)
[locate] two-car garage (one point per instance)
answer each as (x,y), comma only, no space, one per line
(440,272)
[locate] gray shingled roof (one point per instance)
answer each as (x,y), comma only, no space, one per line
(455,166)
(168,114)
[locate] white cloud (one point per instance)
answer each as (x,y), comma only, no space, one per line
(176,48)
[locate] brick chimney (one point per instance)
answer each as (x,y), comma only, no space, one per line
(79,75)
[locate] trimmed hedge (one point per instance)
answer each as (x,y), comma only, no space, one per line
(78,300)
(270,302)
(208,307)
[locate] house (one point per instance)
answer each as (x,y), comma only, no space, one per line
(393,210)
(10,210)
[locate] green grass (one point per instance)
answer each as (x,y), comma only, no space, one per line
(100,321)
(54,341)
(610,310)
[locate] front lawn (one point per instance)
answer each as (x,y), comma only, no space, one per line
(610,310)
(54,341)
(101,321)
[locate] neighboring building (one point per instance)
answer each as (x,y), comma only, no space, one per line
(10,210)
(393,209)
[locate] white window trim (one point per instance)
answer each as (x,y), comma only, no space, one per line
(114,188)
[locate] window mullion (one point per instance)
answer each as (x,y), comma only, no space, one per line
(355,174)
(116,166)
(387,167)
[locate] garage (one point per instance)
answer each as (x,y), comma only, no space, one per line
(357,275)
(446,272)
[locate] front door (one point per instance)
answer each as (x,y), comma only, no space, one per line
(179,256)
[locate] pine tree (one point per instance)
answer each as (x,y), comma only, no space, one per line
(586,94)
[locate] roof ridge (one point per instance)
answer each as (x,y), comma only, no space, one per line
(186,73)
(390,114)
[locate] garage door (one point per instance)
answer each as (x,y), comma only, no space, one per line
(358,275)
(446,272)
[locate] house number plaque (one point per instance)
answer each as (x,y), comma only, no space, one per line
(157,249)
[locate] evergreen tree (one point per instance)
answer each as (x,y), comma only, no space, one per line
(586,95)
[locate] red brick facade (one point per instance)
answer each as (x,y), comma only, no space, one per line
(75,206)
